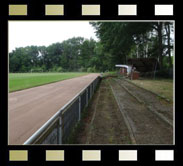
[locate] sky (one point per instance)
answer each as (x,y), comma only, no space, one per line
(44,33)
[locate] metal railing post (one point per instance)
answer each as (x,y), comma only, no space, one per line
(59,130)
(90,91)
(93,87)
(87,97)
(79,108)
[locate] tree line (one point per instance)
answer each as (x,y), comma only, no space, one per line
(118,41)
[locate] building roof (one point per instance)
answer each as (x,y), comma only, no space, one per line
(119,65)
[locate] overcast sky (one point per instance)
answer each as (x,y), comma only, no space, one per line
(26,33)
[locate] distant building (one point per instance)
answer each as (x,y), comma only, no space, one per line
(137,66)
(124,69)
(128,70)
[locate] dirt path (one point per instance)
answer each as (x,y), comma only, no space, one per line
(104,123)
(29,109)
(146,127)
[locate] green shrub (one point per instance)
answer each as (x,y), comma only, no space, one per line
(165,73)
(82,69)
(59,69)
(91,70)
(36,70)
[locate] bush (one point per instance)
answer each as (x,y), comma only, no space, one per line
(82,69)
(165,73)
(59,69)
(91,70)
(56,69)
(36,70)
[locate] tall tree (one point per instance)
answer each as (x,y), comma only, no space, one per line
(168,27)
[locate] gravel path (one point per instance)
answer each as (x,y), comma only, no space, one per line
(146,126)
(157,105)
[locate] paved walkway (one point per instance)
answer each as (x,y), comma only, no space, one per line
(29,109)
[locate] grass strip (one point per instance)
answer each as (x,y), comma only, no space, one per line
(20,81)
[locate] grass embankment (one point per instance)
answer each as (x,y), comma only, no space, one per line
(19,81)
(162,87)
